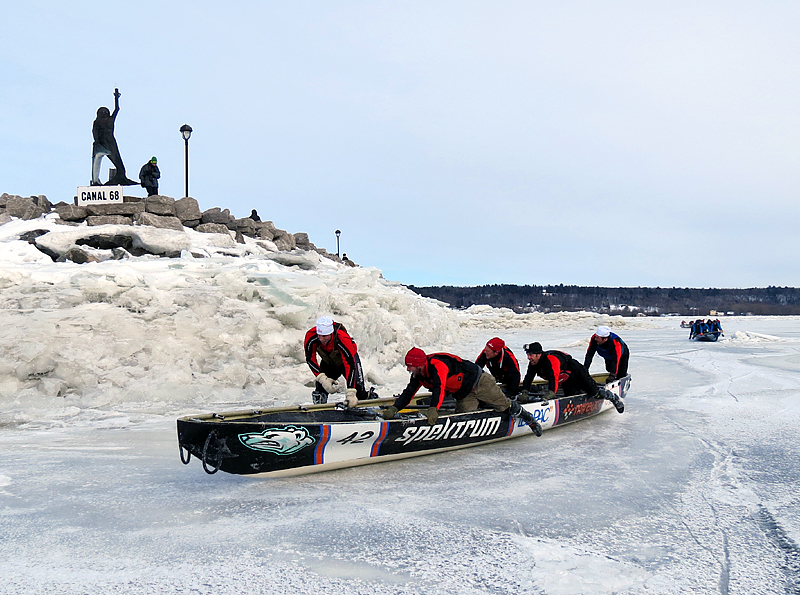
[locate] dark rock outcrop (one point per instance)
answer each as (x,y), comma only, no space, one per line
(161,221)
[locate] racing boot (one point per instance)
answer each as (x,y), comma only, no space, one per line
(606,394)
(519,412)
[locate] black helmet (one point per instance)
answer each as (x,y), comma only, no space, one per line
(534,347)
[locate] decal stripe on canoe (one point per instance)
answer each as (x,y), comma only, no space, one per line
(557,412)
(512,423)
(319,452)
(381,437)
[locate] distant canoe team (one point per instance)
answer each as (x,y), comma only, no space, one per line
(332,354)
(702,327)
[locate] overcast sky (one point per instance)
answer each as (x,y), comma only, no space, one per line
(464,143)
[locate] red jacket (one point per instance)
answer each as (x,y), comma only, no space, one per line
(444,374)
(554,366)
(340,352)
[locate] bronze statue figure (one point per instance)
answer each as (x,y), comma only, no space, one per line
(106,144)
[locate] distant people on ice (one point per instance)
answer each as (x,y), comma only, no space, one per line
(338,357)
(503,365)
(612,349)
(701,327)
(563,373)
(149,175)
(447,375)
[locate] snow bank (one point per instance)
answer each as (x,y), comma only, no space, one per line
(481,316)
(156,335)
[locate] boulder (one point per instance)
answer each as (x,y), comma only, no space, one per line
(4,218)
(160,205)
(302,241)
(78,256)
(246,226)
(283,240)
(67,212)
(30,236)
(266,233)
(109,220)
(187,209)
(215,215)
(24,208)
(191,223)
(4,199)
(123,208)
(42,202)
(212,228)
(106,241)
(163,222)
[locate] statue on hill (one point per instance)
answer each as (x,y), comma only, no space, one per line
(106,144)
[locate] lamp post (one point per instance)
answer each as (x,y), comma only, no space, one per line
(186,132)
(338,233)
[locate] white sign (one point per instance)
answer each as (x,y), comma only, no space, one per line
(92,195)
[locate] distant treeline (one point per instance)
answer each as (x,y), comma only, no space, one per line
(627,301)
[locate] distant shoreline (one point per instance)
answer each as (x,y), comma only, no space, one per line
(622,301)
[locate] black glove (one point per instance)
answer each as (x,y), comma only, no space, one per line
(390,412)
(611,378)
(432,414)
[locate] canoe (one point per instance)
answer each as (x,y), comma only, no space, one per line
(712,336)
(311,438)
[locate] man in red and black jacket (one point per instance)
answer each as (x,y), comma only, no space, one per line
(338,357)
(564,373)
(502,364)
(447,374)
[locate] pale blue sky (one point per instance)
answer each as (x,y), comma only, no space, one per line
(591,143)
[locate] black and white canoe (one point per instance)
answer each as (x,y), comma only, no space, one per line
(310,438)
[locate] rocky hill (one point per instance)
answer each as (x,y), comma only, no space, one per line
(156,211)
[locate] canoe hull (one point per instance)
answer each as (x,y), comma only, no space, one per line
(305,440)
(707,337)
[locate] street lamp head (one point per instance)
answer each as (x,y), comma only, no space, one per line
(338,233)
(186,131)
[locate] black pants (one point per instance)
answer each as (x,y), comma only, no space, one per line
(623,365)
(151,190)
(334,372)
(579,381)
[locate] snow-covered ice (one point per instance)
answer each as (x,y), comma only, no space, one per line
(694,489)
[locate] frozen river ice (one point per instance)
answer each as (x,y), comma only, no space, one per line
(694,489)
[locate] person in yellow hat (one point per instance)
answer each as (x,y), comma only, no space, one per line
(149,175)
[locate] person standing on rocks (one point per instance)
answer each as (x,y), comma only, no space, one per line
(149,175)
